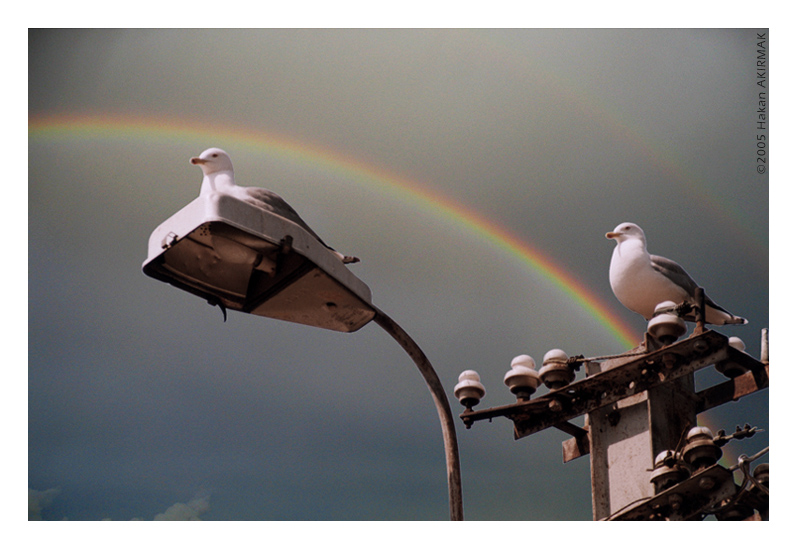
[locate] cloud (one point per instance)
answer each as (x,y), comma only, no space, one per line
(38,500)
(199,505)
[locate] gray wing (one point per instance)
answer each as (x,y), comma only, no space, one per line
(263,198)
(674,272)
(679,276)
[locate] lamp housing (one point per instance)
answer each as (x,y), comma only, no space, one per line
(247,259)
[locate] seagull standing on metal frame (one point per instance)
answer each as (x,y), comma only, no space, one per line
(640,281)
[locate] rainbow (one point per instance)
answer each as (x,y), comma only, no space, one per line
(168,130)
(412,192)
(714,202)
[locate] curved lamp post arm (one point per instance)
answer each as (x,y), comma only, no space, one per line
(184,253)
(441,403)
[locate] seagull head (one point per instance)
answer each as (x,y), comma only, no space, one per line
(213,160)
(626,231)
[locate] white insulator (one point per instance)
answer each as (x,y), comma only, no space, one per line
(522,379)
(736,343)
(469,391)
(665,326)
(555,371)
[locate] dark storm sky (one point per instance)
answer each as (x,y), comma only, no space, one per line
(141,398)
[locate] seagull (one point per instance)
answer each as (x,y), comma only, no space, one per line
(218,177)
(641,281)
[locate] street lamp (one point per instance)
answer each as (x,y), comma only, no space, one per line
(244,258)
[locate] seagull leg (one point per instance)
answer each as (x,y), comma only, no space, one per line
(700,313)
(684,309)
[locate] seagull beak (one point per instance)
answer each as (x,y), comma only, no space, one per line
(197,160)
(610,236)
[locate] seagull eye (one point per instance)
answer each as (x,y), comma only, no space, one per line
(215,155)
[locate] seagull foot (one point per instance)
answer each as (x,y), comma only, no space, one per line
(684,309)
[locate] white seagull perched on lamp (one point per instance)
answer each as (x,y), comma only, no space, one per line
(641,281)
(219,177)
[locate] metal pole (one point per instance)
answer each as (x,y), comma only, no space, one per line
(700,314)
(443,409)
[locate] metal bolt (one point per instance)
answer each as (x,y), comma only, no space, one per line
(675,501)
(700,346)
(669,360)
(706,483)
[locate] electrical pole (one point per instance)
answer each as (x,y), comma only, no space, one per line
(649,459)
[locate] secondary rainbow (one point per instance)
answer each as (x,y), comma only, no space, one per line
(413,192)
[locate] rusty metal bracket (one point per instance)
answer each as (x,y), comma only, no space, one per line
(636,375)
(686,500)
(755,379)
